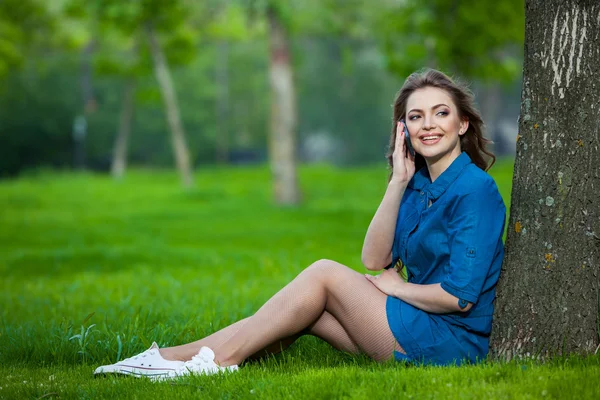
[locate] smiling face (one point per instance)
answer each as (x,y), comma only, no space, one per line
(434,126)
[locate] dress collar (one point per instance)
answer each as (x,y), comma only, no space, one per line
(421,181)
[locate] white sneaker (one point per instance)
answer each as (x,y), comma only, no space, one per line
(203,363)
(147,364)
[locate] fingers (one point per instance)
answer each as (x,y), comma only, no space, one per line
(399,137)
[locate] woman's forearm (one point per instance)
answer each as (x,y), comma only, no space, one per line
(376,251)
(430,298)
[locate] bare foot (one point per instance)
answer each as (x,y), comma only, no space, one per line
(168,354)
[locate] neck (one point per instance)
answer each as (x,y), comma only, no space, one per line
(437,166)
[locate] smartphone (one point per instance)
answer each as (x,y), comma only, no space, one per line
(409,148)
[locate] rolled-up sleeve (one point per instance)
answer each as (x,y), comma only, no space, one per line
(475,233)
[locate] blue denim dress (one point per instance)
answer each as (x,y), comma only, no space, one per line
(449,232)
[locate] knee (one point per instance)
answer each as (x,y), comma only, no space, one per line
(324,267)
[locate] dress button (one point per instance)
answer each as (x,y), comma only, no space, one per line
(422,193)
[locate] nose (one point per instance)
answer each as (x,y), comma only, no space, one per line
(428,123)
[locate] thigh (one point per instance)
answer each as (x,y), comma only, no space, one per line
(359,307)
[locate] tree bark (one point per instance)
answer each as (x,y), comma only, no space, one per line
(119,161)
(163,76)
(547,297)
(282,138)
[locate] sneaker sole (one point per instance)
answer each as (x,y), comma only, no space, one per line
(124,372)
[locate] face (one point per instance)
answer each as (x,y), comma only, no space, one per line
(434,125)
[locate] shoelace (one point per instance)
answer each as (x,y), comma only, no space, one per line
(201,358)
(141,355)
(199,363)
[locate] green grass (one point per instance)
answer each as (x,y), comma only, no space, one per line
(143,260)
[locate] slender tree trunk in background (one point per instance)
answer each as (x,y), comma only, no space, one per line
(163,76)
(87,88)
(119,161)
(282,139)
(89,106)
(222,73)
(548,291)
(491,98)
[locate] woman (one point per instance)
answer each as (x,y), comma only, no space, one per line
(444,223)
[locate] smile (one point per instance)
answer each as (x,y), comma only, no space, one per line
(430,140)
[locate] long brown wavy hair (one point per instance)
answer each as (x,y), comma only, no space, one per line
(472,141)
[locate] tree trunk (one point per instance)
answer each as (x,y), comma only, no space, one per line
(119,161)
(80,123)
(282,139)
(87,88)
(163,76)
(222,74)
(547,300)
(491,104)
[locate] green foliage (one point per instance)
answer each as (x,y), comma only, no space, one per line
(35,122)
(116,29)
(231,23)
(37,109)
(157,263)
(342,52)
(355,94)
(481,39)
(343,90)
(25,25)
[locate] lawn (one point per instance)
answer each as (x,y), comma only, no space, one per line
(124,263)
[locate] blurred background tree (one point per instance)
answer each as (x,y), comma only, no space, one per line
(64,59)
(158,23)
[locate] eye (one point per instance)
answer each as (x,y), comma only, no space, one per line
(413,117)
(443,113)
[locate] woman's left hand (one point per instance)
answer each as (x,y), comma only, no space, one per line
(388,281)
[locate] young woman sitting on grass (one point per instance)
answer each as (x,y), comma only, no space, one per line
(444,223)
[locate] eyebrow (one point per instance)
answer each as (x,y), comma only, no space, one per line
(433,108)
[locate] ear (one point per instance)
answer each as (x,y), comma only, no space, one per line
(464,125)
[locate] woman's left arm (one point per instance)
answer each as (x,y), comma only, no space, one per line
(431,298)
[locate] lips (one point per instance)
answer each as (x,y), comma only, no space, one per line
(430,139)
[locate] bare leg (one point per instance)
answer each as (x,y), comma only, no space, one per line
(185,352)
(324,286)
(326,327)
